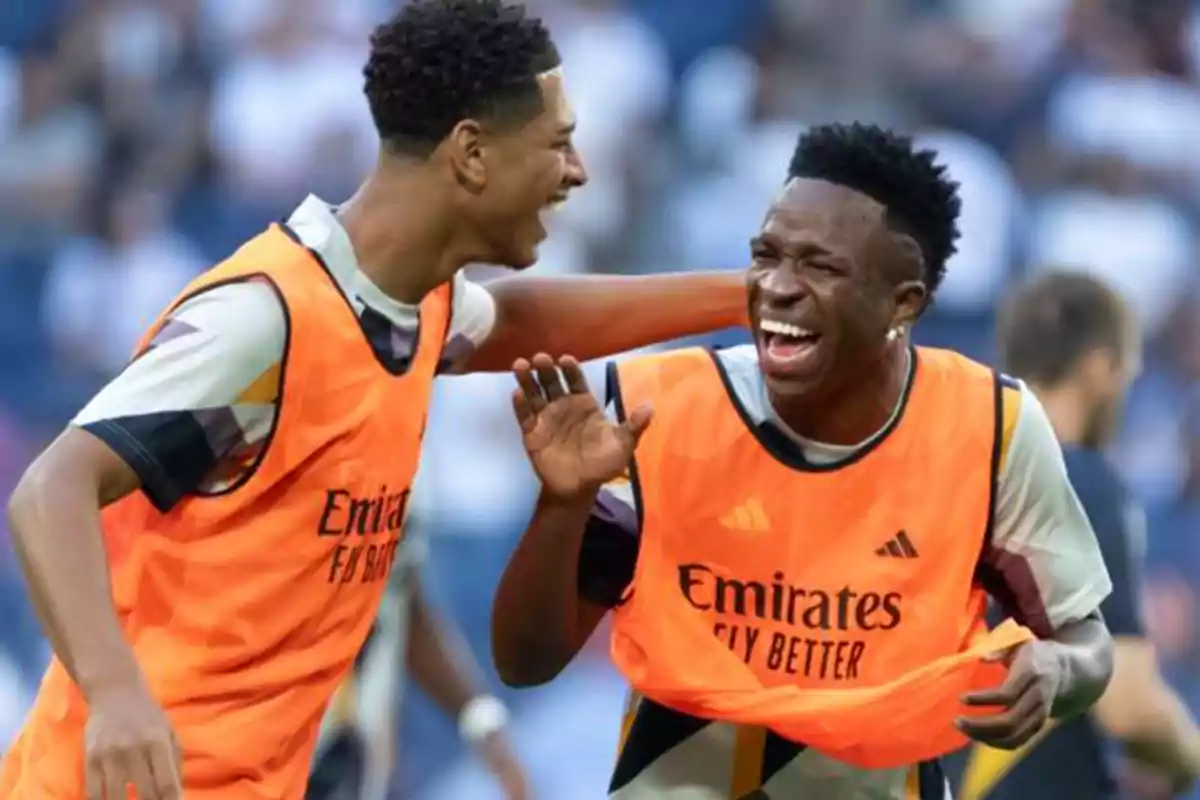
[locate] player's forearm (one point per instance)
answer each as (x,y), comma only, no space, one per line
(438,660)
(538,622)
(595,316)
(1162,733)
(55,522)
(1085,650)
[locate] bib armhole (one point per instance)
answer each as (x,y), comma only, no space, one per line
(250,470)
(612,394)
(999,383)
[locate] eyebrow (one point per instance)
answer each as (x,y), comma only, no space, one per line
(568,129)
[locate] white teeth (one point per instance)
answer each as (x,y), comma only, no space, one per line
(784,329)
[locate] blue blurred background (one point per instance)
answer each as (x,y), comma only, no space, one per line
(140,140)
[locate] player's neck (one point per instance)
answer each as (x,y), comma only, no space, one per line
(403,238)
(1064,409)
(853,416)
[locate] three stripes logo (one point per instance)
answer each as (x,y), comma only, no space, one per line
(898,546)
(749,516)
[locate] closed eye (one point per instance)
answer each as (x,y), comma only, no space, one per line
(824,267)
(761,251)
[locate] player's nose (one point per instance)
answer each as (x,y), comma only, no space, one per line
(780,289)
(575,174)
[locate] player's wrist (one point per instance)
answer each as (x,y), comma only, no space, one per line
(117,674)
(581,499)
(481,717)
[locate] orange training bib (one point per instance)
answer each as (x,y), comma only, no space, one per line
(247,608)
(833,605)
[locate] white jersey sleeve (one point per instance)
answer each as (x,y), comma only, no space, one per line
(1043,564)
(471,323)
(192,412)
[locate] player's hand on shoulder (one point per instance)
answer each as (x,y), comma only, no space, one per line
(573,446)
(129,742)
(1022,703)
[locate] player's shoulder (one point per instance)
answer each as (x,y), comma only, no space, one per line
(217,347)
(1029,442)
(473,314)
(1012,401)
(241,317)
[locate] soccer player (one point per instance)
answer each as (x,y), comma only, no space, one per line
(357,748)
(207,543)
(795,536)
(1076,345)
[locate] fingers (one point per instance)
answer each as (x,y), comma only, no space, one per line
(113,778)
(524,410)
(153,770)
(164,773)
(523,371)
(1010,728)
(541,382)
(1008,734)
(137,767)
(573,372)
(638,421)
(1017,683)
(95,781)
(548,376)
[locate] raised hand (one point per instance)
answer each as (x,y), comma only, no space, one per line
(572,445)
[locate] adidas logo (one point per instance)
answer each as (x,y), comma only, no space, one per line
(749,516)
(898,547)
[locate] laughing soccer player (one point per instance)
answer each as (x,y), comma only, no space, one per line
(207,543)
(798,555)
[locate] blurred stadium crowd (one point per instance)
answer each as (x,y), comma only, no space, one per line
(140,140)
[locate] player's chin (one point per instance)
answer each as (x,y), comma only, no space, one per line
(520,257)
(795,380)
(521,251)
(794,386)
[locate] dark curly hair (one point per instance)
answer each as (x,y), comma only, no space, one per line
(438,62)
(921,199)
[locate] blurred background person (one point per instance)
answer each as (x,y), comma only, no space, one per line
(356,752)
(1075,342)
(130,141)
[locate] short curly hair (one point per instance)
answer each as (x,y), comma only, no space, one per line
(921,199)
(438,62)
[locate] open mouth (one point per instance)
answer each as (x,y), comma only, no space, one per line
(547,211)
(786,345)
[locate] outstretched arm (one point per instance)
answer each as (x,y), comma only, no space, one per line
(567,570)
(599,315)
